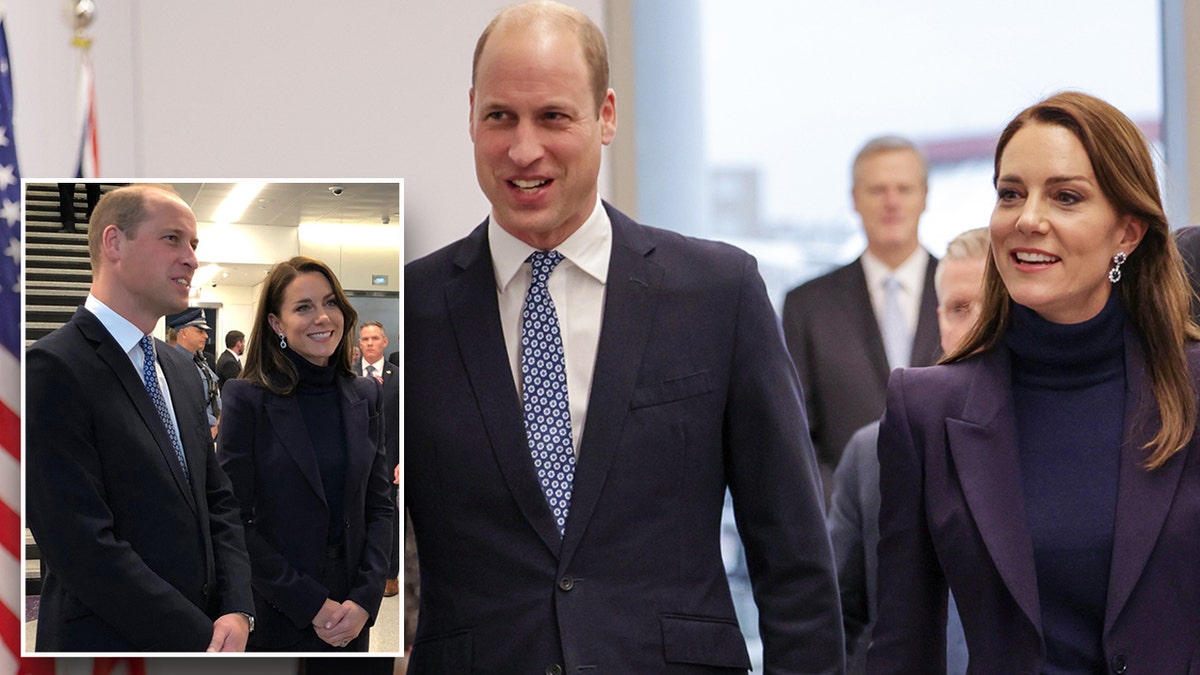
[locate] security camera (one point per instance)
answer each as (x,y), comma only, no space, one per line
(337,190)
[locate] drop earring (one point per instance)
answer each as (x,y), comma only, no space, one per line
(283,340)
(1114,274)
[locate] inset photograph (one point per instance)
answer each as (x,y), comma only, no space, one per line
(211,417)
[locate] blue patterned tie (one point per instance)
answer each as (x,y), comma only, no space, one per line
(544,384)
(897,337)
(150,379)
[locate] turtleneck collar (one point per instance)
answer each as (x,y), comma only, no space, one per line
(1067,356)
(312,377)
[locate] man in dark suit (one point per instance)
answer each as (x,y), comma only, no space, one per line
(553,543)
(854,513)
(229,364)
(136,522)
(372,340)
(848,329)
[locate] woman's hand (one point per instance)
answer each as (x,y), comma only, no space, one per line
(346,622)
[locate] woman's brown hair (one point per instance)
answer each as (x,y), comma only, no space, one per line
(1153,286)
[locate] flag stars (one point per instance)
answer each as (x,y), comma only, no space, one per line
(11,212)
(7,176)
(4,137)
(14,250)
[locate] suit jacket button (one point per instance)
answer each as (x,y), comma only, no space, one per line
(554,669)
(347,523)
(1118,664)
(566,583)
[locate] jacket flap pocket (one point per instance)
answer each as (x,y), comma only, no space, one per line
(703,641)
(446,653)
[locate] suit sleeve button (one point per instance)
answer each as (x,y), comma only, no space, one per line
(566,584)
(1118,664)
(554,669)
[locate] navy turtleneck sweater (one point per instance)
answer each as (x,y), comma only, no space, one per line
(317,394)
(1069,391)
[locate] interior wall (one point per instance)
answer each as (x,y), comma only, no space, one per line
(234,89)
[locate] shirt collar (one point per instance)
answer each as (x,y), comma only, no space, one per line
(911,272)
(123,331)
(588,248)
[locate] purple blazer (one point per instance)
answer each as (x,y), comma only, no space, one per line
(952,514)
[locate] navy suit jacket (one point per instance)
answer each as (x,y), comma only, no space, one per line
(270,459)
(139,558)
(693,391)
(834,340)
(952,513)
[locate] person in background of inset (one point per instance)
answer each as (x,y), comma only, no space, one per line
(1048,472)
(191,334)
(229,363)
(372,340)
(854,512)
(302,444)
(66,203)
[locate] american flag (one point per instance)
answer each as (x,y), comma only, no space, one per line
(11,614)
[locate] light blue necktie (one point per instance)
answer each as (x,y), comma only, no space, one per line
(893,325)
(544,387)
(150,379)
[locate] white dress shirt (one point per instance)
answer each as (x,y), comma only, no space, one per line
(378,368)
(577,288)
(910,273)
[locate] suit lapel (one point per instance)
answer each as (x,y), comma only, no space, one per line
(927,340)
(360,447)
(1143,497)
(288,423)
(118,361)
(475,317)
(983,445)
(863,313)
(629,303)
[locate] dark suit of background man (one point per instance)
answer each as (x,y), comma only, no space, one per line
(229,363)
(674,357)
(372,340)
(141,554)
(834,324)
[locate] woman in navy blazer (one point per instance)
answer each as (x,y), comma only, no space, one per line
(1047,472)
(301,441)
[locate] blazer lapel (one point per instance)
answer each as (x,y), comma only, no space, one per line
(1143,497)
(360,447)
(629,302)
(475,317)
(984,447)
(131,381)
(288,423)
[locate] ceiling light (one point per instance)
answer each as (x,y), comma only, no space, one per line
(236,202)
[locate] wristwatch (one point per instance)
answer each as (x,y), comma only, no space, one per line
(250,619)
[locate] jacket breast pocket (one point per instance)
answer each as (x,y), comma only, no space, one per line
(674,389)
(704,641)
